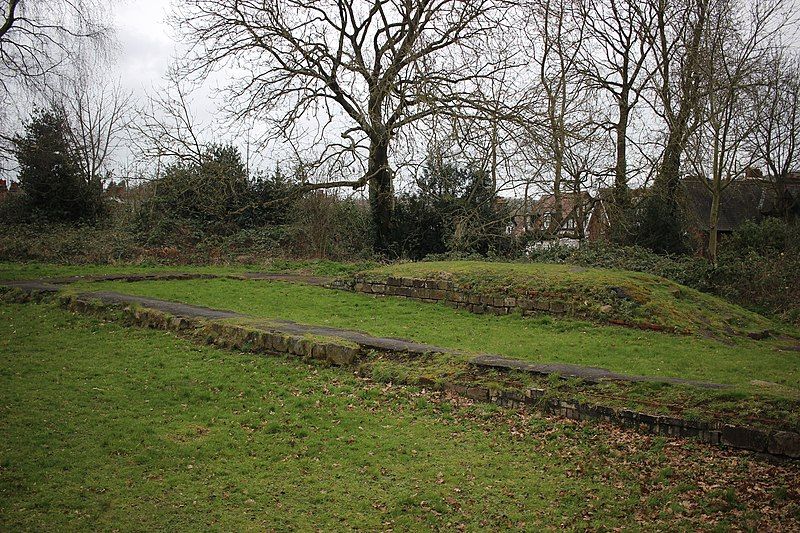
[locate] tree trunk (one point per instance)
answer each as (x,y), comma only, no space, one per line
(619,195)
(669,171)
(558,213)
(621,169)
(381,194)
(713,222)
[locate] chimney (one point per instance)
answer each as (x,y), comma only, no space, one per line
(753,173)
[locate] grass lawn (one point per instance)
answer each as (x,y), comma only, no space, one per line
(540,339)
(108,428)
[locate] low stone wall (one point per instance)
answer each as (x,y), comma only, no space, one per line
(429,290)
(224,335)
(779,443)
(457,297)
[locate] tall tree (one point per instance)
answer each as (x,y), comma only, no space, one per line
(363,70)
(49,172)
(775,137)
(559,93)
(41,43)
(98,116)
(618,63)
(677,39)
(42,38)
(733,48)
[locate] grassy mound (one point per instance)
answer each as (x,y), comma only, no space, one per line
(618,296)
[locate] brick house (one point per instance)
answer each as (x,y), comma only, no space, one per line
(539,217)
(6,190)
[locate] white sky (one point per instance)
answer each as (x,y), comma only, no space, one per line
(146,47)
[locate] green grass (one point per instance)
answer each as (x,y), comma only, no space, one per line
(108,428)
(647,298)
(539,339)
(320,267)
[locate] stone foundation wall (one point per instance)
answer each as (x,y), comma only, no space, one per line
(428,290)
(779,443)
(247,339)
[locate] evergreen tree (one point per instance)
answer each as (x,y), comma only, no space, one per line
(49,174)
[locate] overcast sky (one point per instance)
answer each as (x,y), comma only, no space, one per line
(146,47)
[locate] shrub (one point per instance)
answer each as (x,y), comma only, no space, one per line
(197,202)
(453,210)
(759,265)
(210,193)
(324,226)
(67,243)
(658,225)
(687,270)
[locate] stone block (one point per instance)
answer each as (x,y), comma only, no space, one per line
(341,355)
(525,304)
(744,437)
(443,285)
(437,294)
(296,347)
(394,282)
(318,350)
(785,443)
(264,342)
(509,301)
(456,296)
(178,323)
(378,288)
(408,282)
(419,283)
(557,306)
(478,394)
(534,394)
(541,305)
(280,343)
(474,298)
(709,436)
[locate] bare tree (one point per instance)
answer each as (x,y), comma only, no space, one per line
(39,38)
(166,129)
(560,101)
(733,48)
(42,42)
(98,117)
(617,63)
(775,136)
(677,38)
(364,71)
